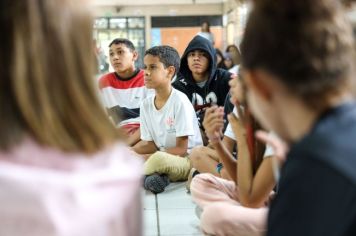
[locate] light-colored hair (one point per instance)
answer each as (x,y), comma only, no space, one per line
(47,85)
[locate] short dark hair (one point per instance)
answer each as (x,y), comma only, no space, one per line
(232,46)
(307,44)
(127,42)
(167,55)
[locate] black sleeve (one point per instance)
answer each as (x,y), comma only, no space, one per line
(313,199)
(228,108)
(118,113)
(115,113)
(180,87)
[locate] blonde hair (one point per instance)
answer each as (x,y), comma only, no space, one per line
(47,77)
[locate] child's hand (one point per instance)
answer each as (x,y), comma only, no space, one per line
(237,126)
(214,123)
(280,148)
(236,91)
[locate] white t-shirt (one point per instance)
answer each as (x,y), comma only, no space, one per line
(208,35)
(229,133)
(234,69)
(176,118)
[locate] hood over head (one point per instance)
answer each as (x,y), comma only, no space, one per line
(198,43)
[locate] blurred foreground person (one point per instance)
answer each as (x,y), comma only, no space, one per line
(63,170)
(237,205)
(302,92)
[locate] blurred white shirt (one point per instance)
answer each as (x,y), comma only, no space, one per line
(208,35)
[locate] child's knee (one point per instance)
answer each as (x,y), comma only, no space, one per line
(196,154)
(153,163)
(156,158)
(213,216)
(177,168)
(200,183)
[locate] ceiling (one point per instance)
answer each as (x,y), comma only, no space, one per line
(152,2)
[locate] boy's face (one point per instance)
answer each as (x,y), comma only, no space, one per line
(122,58)
(156,75)
(198,62)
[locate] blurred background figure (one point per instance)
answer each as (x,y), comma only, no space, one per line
(235,54)
(103,64)
(220,59)
(61,160)
(229,63)
(205,32)
(101,58)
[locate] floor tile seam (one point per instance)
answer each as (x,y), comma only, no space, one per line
(157,216)
(177,208)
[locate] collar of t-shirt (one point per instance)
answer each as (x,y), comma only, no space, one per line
(202,84)
(125,79)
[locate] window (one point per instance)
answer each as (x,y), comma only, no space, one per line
(107,29)
(101,23)
(118,23)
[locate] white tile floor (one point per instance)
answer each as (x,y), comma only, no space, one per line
(170,213)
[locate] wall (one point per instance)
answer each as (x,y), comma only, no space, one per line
(163,10)
(235,14)
(180,37)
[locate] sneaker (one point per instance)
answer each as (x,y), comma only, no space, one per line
(193,172)
(156,183)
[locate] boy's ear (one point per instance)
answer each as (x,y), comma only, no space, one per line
(171,71)
(135,55)
(257,80)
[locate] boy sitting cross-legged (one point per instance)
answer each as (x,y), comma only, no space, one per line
(169,126)
(123,90)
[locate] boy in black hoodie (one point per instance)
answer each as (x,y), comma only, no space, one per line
(200,79)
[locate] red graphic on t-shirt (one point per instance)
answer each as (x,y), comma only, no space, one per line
(170,121)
